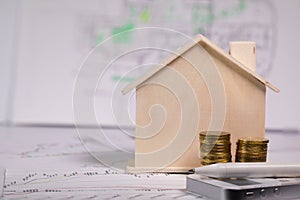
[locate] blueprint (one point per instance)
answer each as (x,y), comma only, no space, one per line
(97,48)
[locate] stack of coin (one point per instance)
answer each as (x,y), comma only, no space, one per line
(214,147)
(251,149)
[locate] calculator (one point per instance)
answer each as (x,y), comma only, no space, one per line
(243,188)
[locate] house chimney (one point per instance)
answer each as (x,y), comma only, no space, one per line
(244,52)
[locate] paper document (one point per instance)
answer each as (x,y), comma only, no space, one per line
(2,179)
(94,183)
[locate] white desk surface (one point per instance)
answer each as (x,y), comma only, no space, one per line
(47,156)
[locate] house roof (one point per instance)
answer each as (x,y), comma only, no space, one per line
(199,39)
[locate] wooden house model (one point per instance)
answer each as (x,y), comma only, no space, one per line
(199,87)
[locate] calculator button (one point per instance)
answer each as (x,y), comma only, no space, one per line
(276,191)
(263,193)
(249,194)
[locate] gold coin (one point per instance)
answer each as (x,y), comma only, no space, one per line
(251,144)
(207,146)
(215,143)
(251,160)
(257,152)
(252,149)
(253,140)
(215,155)
(217,146)
(225,149)
(215,161)
(214,135)
(252,153)
(214,152)
(259,157)
(250,157)
(205,161)
(213,140)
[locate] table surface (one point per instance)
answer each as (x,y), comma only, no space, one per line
(59,149)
